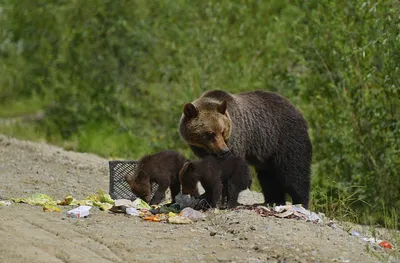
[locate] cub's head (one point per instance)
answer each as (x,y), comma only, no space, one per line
(207,125)
(189,179)
(140,186)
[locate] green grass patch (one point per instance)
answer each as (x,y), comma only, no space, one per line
(22,106)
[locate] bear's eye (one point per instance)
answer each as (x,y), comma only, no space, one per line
(210,136)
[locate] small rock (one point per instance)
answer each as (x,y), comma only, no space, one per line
(213,233)
(253,228)
(255,247)
(232,231)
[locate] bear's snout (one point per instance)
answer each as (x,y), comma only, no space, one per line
(223,151)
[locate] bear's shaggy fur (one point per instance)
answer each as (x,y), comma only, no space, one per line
(161,168)
(221,177)
(263,128)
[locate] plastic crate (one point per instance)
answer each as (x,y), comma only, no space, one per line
(119,188)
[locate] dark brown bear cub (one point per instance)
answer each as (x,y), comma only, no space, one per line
(221,177)
(261,127)
(161,168)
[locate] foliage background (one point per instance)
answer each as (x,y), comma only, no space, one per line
(110,77)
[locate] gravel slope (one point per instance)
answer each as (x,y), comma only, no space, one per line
(27,234)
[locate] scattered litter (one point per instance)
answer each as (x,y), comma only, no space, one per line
(385,244)
(264,208)
(36,199)
(179,220)
(341,259)
(381,243)
(105,206)
(192,214)
(285,214)
(280,208)
(123,202)
(81,211)
(100,199)
(156,218)
(120,205)
(51,208)
(171,214)
(5,203)
(140,204)
(332,225)
(175,208)
(373,241)
(132,211)
(186,201)
(286,211)
(67,201)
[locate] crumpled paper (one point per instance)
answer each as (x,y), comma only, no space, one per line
(286,211)
(298,211)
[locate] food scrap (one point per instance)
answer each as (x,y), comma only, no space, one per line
(100,199)
(51,208)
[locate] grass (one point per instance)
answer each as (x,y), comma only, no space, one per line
(22,106)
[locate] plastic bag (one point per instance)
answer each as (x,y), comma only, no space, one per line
(192,214)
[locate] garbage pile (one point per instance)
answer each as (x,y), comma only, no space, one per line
(180,212)
(177,213)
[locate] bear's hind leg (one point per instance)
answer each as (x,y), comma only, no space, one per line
(295,169)
(272,187)
(299,188)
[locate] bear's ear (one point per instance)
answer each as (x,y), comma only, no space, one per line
(140,177)
(190,111)
(189,166)
(222,107)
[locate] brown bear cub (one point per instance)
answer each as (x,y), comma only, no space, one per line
(221,177)
(261,127)
(161,168)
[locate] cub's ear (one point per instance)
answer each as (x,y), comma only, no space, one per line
(222,107)
(140,177)
(190,110)
(188,166)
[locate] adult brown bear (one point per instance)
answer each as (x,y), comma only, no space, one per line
(263,128)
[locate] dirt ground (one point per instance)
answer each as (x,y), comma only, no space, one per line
(27,234)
